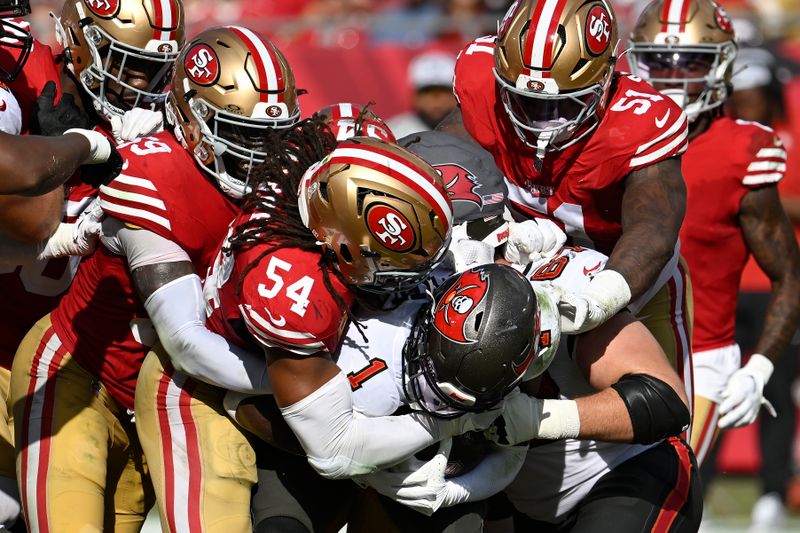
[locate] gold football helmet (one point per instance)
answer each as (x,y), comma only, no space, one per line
(122,52)
(381,210)
(686,49)
(341,119)
(553,63)
(230,85)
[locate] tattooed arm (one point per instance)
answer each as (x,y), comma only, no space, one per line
(653,207)
(770,237)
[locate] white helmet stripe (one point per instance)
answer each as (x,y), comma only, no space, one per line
(552,8)
(266,59)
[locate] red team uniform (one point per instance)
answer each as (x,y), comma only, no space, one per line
(581,186)
(753,157)
(99,336)
(283,304)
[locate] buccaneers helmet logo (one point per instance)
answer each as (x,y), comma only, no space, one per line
(598,30)
(460,184)
(455,307)
(103,8)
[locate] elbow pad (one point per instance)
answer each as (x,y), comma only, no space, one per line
(655,409)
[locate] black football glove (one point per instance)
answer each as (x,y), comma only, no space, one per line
(102,173)
(55,119)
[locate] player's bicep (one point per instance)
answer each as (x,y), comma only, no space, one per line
(294,377)
(31,219)
(623,346)
(768,231)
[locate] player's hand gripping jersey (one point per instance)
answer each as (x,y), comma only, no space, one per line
(753,157)
(101,320)
(582,185)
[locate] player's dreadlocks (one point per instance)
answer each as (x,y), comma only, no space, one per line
(273,193)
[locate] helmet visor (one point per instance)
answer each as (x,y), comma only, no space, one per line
(548,113)
(678,66)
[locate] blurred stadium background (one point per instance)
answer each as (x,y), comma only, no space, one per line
(362,51)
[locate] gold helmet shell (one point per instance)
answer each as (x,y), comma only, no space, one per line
(381,210)
(554,60)
(230,85)
(681,44)
(122,52)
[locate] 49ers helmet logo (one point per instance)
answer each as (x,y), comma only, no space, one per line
(723,20)
(202,65)
(390,228)
(598,30)
(103,8)
(452,311)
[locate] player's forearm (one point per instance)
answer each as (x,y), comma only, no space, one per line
(48,162)
(604,417)
(31,220)
(341,444)
(653,207)
(783,315)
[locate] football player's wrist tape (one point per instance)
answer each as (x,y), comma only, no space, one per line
(608,293)
(526,418)
(177,310)
(99,145)
(341,443)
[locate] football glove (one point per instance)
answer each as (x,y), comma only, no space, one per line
(55,119)
(744,394)
(608,293)
(136,123)
(531,240)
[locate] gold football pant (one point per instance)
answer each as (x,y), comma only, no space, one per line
(202,465)
(7,468)
(669,316)
(79,464)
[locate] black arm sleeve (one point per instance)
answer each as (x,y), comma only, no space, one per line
(655,409)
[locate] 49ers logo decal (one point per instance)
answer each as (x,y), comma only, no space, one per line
(723,20)
(458,303)
(390,228)
(598,30)
(202,65)
(103,8)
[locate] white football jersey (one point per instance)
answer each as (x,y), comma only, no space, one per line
(557,474)
(10,113)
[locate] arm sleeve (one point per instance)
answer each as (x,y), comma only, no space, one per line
(141,247)
(177,310)
(341,444)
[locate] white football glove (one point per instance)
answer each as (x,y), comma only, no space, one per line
(417,484)
(136,123)
(607,295)
(465,253)
(531,240)
(79,238)
(744,394)
(526,418)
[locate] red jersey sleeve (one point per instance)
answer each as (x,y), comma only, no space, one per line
(766,156)
(474,88)
(646,126)
(285,303)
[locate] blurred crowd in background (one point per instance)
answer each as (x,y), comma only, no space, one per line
(400,55)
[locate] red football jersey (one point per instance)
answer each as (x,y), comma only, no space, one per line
(101,320)
(283,303)
(40,68)
(581,186)
(720,166)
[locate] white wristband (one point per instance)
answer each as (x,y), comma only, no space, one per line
(560,420)
(610,290)
(99,145)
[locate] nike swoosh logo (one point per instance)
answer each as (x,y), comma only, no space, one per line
(660,122)
(587,271)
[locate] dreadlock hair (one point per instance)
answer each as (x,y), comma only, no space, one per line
(273,187)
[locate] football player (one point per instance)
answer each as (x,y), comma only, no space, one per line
(347,120)
(594,150)
(686,48)
(74,375)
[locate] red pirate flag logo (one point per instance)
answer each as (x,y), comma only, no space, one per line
(452,311)
(460,184)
